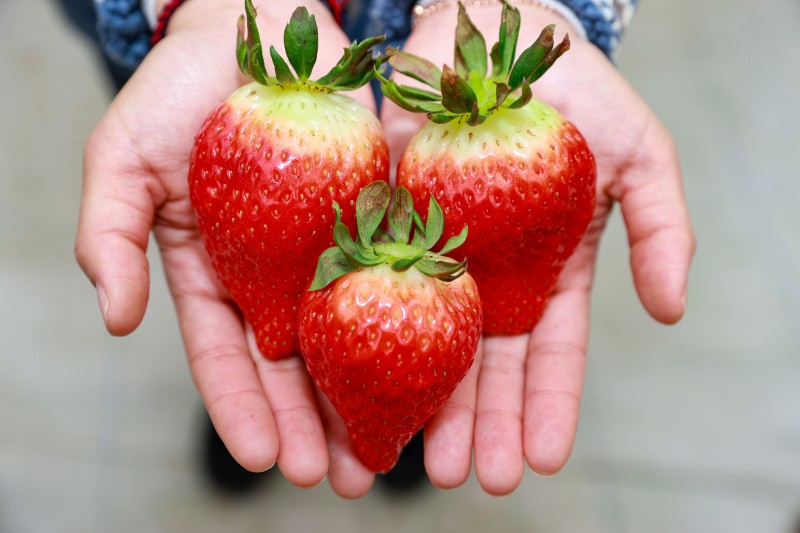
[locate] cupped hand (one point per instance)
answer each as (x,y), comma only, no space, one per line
(521,400)
(135,181)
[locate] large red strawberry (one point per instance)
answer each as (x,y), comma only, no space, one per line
(502,162)
(388,328)
(267,165)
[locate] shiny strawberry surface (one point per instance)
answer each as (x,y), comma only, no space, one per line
(388,349)
(524,184)
(265,169)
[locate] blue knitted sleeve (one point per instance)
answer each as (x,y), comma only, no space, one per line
(123,31)
(604,20)
(125,34)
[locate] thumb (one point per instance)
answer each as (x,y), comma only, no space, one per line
(115,219)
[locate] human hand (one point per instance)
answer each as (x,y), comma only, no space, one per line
(135,181)
(521,400)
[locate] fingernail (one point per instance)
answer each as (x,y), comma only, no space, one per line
(102,300)
(270,467)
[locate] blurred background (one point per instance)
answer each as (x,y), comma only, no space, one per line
(689,428)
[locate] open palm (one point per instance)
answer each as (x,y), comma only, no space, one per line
(135,181)
(521,400)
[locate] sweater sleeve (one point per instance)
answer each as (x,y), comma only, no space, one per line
(603,20)
(123,31)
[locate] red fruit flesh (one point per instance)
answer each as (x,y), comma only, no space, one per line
(524,183)
(388,349)
(264,171)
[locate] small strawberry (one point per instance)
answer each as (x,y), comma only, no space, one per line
(502,162)
(269,162)
(388,328)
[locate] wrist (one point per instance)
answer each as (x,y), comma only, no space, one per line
(552,10)
(435,27)
(224,14)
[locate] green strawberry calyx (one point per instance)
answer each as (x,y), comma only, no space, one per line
(301,41)
(407,244)
(470,90)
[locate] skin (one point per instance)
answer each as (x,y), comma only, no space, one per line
(520,401)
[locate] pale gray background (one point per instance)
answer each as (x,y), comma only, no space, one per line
(692,428)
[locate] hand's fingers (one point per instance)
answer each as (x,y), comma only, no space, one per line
(303,455)
(659,230)
(499,462)
(219,357)
(348,476)
(448,434)
(556,364)
(226,378)
(115,219)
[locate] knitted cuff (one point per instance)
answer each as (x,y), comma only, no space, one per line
(160,30)
(123,30)
(603,21)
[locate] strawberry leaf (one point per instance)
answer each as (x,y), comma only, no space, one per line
(381,236)
(434,225)
(301,40)
(374,246)
(414,93)
(401,217)
(248,47)
(416,67)
(457,96)
(371,206)
(476,117)
(549,59)
(466,92)
(332,264)
(502,90)
(507,43)
(343,239)
(418,238)
(441,269)
(454,242)
(282,72)
(530,59)
(522,101)
(405,263)
(355,68)
(470,54)
(441,118)
(241,45)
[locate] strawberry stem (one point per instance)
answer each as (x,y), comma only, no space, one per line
(301,41)
(467,90)
(407,245)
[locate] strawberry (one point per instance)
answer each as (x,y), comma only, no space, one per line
(388,328)
(270,161)
(502,162)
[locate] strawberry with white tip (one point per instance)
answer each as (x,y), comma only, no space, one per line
(509,166)
(268,164)
(389,328)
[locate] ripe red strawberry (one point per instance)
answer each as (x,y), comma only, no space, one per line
(267,165)
(505,164)
(388,328)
